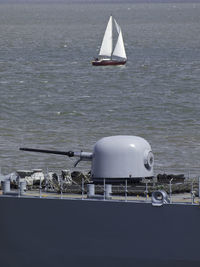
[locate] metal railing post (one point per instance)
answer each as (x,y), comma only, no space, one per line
(61,189)
(192,192)
(199,185)
(126,191)
(19,187)
(170,190)
(40,187)
(104,189)
(47,171)
(146,190)
(82,188)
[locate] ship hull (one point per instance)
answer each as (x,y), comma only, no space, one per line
(108,62)
(74,233)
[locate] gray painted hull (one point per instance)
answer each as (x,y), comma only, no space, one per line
(75,233)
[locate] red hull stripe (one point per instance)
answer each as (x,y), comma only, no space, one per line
(108,62)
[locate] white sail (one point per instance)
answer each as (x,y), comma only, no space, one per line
(117,27)
(106,46)
(119,50)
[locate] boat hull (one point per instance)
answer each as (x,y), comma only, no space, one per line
(108,62)
(53,232)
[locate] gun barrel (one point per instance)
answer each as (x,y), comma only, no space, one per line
(67,153)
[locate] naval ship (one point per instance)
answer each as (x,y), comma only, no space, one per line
(100,230)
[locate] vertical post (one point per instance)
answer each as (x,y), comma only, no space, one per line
(170,190)
(192,192)
(153,182)
(199,186)
(104,189)
(82,189)
(40,186)
(61,189)
(146,190)
(47,172)
(126,190)
(18,186)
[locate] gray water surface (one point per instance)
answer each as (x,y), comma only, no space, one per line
(52,97)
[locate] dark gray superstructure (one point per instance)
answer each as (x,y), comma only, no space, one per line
(74,232)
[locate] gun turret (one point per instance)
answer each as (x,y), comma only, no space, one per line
(115,158)
(87,156)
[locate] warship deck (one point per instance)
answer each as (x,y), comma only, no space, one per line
(181,198)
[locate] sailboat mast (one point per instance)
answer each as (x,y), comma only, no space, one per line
(111,34)
(118,30)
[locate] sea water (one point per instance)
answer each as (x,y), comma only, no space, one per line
(51,96)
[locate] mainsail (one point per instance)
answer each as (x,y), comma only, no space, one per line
(107,43)
(106,46)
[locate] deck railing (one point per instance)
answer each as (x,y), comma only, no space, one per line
(168,193)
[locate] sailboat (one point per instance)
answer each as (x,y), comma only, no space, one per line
(108,55)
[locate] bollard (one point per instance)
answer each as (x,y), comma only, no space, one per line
(6,187)
(90,190)
(22,187)
(108,191)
